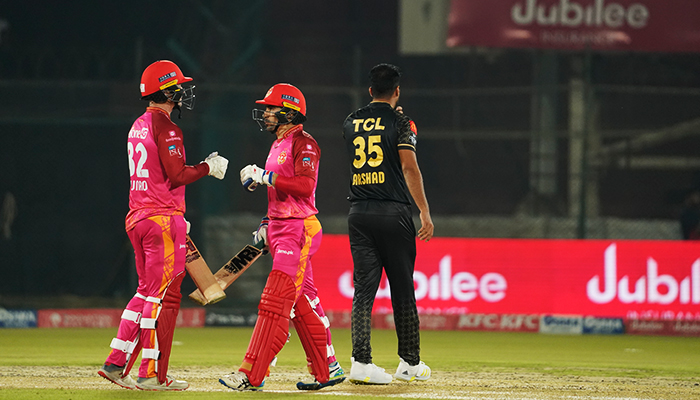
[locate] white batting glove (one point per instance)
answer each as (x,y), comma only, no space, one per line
(217,165)
(252,175)
(187,231)
(260,235)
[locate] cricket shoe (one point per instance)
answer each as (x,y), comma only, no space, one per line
(408,373)
(116,377)
(335,376)
(170,384)
(368,373)
(239,381)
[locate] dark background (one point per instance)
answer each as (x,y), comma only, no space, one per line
(69,83)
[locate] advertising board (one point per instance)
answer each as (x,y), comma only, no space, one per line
(600,278)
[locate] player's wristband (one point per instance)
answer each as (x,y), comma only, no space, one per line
(267,177)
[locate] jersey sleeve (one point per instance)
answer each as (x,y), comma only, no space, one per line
(172,155)
(306,157)
(407,132)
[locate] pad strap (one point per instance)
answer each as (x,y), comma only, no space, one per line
(148,323)
(123,345)
(150,353)
(132,316)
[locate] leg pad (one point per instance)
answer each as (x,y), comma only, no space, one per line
(312,332)
(272,326)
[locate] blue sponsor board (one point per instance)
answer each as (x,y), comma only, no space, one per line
(230,318)
(17,318)
(562,324)
(603,326)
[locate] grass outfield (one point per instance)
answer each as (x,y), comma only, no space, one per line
(62,364)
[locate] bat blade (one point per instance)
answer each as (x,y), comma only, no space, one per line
(233,269)
(198,269)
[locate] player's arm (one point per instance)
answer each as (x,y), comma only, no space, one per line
(306,155)
(173,159)
(407,132)
(414,181)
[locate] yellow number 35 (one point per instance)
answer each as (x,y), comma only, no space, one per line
(369,152)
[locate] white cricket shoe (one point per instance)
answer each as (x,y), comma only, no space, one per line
(408,373)
(152,384)
(239,381)
(368,373)
(117,378)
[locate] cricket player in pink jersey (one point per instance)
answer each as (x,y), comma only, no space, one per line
(292,233)
(157,229)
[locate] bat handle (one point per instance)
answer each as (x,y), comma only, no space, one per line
(249,185)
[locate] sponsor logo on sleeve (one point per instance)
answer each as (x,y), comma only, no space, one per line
(306,162)
(174,151)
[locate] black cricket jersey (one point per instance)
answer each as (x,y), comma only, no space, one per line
(374,134)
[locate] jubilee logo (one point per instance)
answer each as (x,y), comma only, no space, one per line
(443,285)
(567,13)
(652,288)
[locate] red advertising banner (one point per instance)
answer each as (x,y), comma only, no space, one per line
(629,25)
(604,278)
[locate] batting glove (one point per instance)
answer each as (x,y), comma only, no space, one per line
(217,165)
(252,175)
(187,230)
(260,235)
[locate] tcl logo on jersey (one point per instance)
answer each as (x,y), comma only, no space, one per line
(368,124)
(282,157)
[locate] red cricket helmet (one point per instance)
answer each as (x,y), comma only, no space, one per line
(285,95)
(161,75)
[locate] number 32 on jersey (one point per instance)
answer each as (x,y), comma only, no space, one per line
(137,168)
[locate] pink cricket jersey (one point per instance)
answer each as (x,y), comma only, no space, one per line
(297,153)
(150,191)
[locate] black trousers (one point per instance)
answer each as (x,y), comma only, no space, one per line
(383,237)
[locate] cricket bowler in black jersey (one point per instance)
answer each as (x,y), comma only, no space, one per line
(381,143)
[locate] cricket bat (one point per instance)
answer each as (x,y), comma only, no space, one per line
(234,268)
(198,269)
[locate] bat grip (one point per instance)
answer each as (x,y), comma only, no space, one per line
(249,185)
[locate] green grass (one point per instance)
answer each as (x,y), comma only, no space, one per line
(222,348)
